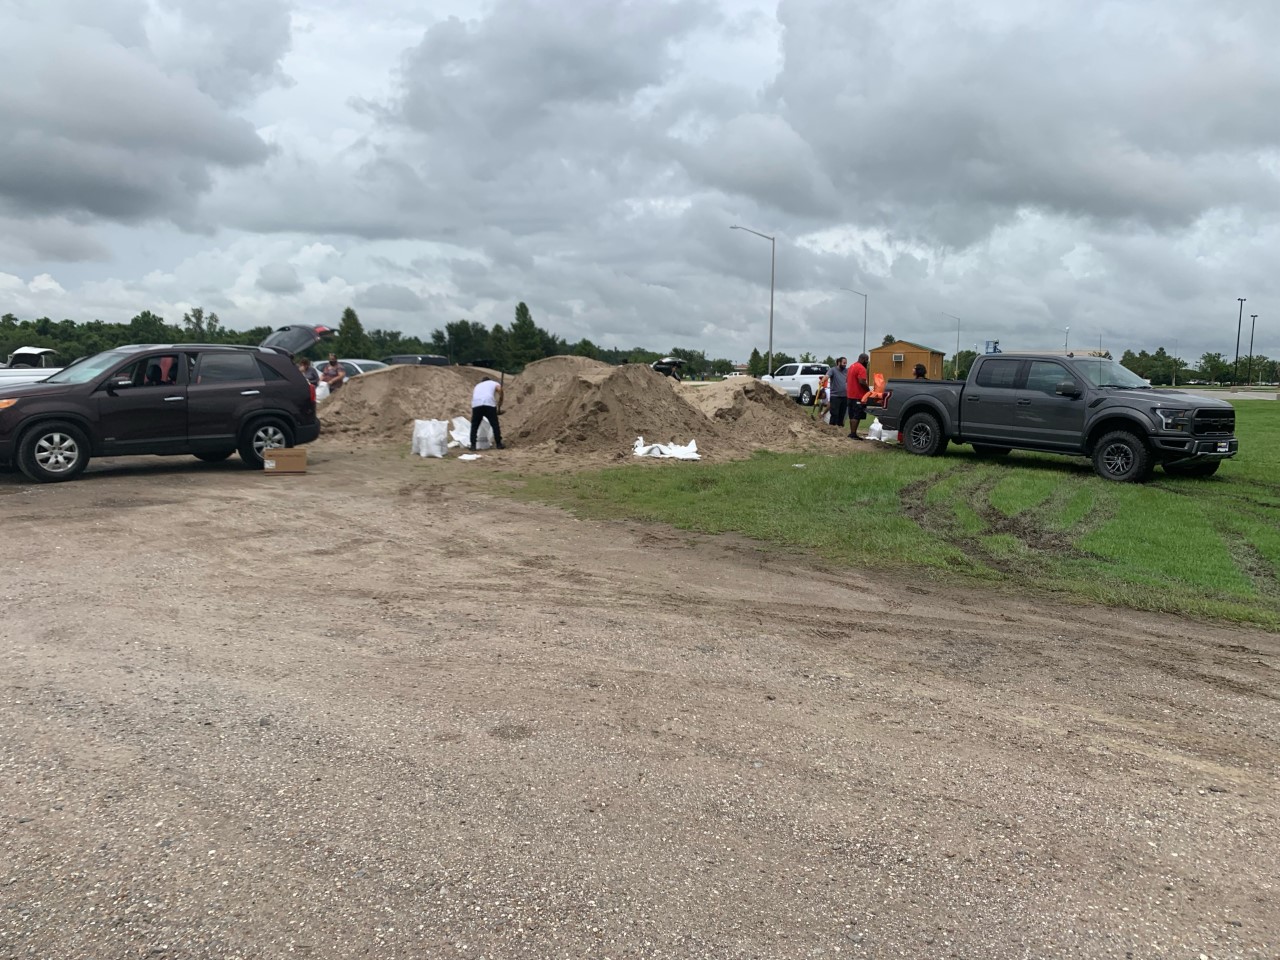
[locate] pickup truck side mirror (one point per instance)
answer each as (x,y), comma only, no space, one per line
(1067,388)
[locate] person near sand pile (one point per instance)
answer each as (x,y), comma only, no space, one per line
(858,391)
(486,404)
(836,385)
(308,370)
(333,374)
(823,403)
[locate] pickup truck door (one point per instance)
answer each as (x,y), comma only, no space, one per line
(1042,418)
(785,377)
(988,400)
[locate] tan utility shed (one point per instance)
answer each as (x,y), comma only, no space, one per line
(899,359)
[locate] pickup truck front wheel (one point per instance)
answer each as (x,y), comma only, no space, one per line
(1122,457)
(922,435)
(806,396)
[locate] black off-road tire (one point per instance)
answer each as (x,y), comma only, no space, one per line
(1123,457)
(806,396)
(922,435)
(1205,468)
(52,452)
(264,433)
(217,456)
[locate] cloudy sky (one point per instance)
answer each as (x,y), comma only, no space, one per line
(1024,165)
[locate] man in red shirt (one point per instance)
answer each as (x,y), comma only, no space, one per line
(858,391)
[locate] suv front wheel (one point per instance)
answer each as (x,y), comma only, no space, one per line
(262,435)
(53,452)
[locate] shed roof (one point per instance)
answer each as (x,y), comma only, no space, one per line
(898,343)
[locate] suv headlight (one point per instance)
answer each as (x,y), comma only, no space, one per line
(1173,419)
(6,404)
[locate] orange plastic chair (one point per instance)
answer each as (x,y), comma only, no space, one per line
(876,397)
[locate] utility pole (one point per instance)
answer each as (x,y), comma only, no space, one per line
(1235,368)
(1254,318)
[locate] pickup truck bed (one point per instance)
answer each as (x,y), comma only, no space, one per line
(1080,406)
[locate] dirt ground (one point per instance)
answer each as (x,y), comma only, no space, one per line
(374,711)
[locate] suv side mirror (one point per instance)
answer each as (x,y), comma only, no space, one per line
(1067,388)
(114,385)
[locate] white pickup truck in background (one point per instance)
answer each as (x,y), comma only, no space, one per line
(27,365)
(798,380)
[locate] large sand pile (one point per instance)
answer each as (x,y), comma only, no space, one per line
(382,405)
(583,407)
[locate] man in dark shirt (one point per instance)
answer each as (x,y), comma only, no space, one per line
(839,397)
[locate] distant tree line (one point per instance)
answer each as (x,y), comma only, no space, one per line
(462,341)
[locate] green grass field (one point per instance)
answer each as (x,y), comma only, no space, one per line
(1206,548)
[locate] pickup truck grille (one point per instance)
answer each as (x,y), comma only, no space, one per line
(1214,423)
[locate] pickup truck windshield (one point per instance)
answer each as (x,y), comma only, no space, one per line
(1102,372)
(86,370)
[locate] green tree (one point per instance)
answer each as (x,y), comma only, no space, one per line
(499,348)
(780,359)
(146,327)
(961,363)
(808,357)
(756,364)
(888,339)
(585,348)
(525,345)
(462,341)
(352,341)
(721,367)
(1214,367)
(201,327)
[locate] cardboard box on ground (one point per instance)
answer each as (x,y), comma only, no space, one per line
(285,460)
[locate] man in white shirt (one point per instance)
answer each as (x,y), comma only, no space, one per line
(486,402)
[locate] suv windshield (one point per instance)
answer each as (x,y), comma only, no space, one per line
(86,370)
(1102,372)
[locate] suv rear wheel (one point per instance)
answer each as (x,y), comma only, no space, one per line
(54,451)
(262,435)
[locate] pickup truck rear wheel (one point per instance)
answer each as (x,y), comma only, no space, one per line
(52,452)
(263,435)
(1123,457)
(922,435)
(1202,469)
(806,396)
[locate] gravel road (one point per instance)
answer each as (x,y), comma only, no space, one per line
(375,712)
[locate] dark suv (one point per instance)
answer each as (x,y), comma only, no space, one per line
(209,400)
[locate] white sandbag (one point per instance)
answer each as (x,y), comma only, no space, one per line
(876,430)
(461,433)
(322,391)
(670,451)
(430,437)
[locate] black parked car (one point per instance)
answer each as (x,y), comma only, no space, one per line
(668,367)
(424,359)
(209,400)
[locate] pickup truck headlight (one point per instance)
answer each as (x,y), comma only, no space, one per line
(1173,419)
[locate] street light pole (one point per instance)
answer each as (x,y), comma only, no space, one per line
(956,369)
(864,315)
(1252,326)
(1066,337)
(1235,368)
(773,261)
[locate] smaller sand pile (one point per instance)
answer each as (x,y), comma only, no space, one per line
(603,409)
(754,414)
(382,405)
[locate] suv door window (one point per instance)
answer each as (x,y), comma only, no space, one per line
(228,367)
(998,373)
(149,371)
(1045,375)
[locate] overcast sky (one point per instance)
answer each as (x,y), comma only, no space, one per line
(1025,165)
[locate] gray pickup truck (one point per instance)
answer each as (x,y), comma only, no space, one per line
(1081,405)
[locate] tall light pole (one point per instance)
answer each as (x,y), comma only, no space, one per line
(1253,317)
(864,315)
(1177,361)
(956,369)
(773,261)
(1235,369)
(1066,337)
